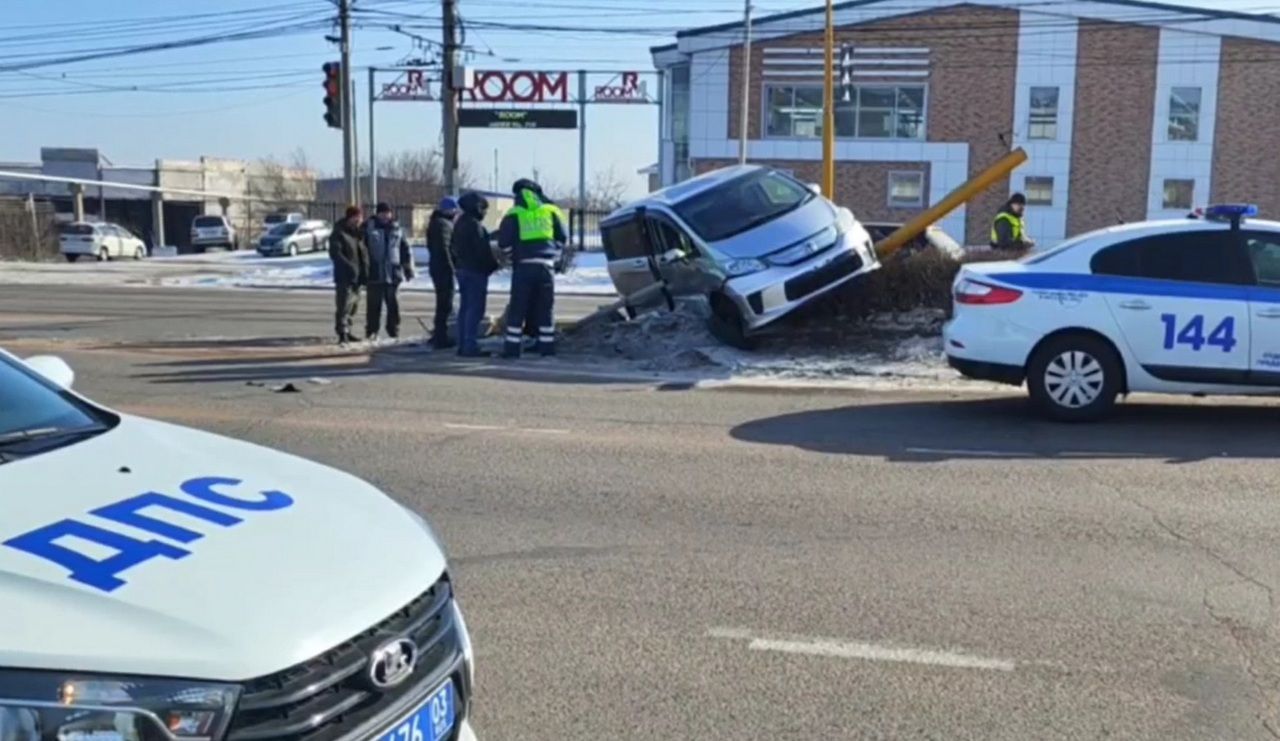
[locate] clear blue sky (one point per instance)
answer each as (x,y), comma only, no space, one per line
(261,97)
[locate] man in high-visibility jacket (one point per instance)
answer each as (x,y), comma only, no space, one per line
(532,235)
(1008,231)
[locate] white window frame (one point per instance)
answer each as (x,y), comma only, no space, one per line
(1191,198)
(1032,123)
(768,86)
(1026,190)
(918,175)
(1169,133)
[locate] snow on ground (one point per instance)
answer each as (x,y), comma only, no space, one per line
(899,350)
(246,269)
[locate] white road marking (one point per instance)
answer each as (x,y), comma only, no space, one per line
(456,426)
(544,430)
(867,651)
(975,453)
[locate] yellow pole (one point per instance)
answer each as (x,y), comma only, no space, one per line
(829,110)
(955,199)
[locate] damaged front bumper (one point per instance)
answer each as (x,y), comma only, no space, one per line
(766,296)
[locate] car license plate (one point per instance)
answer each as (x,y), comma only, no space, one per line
(432,720)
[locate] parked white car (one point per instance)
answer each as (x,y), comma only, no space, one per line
(293,237)
(1190,306)
(213,231)
(101,241)
(164,583)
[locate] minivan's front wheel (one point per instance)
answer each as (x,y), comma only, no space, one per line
(727,323)
(1074,378)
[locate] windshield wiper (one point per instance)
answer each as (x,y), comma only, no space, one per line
(43,433)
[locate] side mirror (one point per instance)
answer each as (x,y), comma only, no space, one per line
(817,189)
(53,368)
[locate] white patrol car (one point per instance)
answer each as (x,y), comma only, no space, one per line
(164,584)
(1189,306)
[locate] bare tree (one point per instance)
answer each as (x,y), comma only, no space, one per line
(416,176)
(606,191)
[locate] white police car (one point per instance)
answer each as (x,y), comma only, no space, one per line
(164,584)
(1182,307)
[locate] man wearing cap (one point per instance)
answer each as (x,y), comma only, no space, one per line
(350,271)
(532,234)
(390,264)
(1008,231)
(439,236)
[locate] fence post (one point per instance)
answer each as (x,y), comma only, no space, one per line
(35,229)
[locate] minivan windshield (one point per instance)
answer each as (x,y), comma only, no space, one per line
(207,221)
(35,416)
(742,203)
(281,230)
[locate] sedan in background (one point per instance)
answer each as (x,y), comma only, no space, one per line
(292,238)
(101,241)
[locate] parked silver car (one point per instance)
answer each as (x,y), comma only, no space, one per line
(292,237)
(755,241)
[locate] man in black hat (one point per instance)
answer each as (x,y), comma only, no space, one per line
(1008,231)
(390,264)
(350,271)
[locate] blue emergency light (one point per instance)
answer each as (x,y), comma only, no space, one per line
(1233,212)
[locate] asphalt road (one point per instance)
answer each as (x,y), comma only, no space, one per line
(125,313)
(640,561)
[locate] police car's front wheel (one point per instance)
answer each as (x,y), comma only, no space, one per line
(1074,378)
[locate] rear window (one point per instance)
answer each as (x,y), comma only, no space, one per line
(1193,257)
(76,230)
(207,221)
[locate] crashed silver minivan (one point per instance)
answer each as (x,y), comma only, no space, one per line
(754,240)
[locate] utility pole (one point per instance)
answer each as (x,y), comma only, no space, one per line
(746,85)
(348,107)
(373,154)
(829,109)
(449,96)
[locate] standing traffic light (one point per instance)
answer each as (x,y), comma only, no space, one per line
(333,94)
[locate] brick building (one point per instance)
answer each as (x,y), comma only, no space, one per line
(1129,110)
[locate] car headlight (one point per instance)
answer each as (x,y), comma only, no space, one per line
(743,266)
(48,706)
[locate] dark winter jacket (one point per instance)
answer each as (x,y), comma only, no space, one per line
(390,257)
(439,236)
(350,258)
(471,240)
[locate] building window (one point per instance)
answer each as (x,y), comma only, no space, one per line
(871,112)
(1039,191)
(1179,194)
(1043,120)
(1184,114)
(906,189)
(680,121)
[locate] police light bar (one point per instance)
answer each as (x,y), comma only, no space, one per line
(1233,212)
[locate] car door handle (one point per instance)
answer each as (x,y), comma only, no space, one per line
(1269,314)
(1135,305)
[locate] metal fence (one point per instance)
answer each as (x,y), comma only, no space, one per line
(584,228)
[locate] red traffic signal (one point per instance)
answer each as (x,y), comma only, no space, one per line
(332,94)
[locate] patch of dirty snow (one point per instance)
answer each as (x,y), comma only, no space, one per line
(902,346)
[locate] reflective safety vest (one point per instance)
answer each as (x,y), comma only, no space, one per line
(1019,232)
(537,223)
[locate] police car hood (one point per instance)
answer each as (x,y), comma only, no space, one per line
(224,600)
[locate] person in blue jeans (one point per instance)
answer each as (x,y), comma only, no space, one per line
(474,262)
